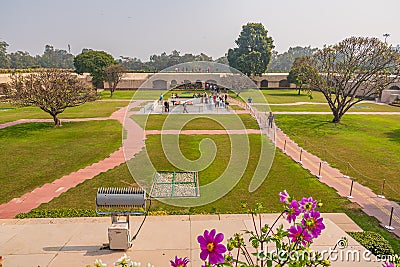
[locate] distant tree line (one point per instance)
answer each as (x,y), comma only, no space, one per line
(51,58)
(59,58)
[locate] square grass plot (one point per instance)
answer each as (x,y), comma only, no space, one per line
(175,185)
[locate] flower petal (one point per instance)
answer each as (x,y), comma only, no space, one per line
(219,248)
(212,234)
(204,254)
(201,240)
(218,238)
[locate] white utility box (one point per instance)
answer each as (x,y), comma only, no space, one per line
(119,236)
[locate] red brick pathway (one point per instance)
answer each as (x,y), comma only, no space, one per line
(49,191)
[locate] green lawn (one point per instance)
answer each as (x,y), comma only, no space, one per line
(88,110)
(118,94)
(362,107)
(197,122)
(37,153)
(369,143)
(279,96)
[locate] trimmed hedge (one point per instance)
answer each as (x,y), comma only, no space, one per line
(374,242)
(58,213)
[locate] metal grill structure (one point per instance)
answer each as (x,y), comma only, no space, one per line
(118,201)
(175,185)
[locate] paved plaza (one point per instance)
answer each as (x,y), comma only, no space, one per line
(78,241)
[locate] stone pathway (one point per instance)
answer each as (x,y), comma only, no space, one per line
(49,191)
(77,241)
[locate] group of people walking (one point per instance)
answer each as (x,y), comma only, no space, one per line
(219,100)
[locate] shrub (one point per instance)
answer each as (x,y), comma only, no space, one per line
(374,242)
(57,213)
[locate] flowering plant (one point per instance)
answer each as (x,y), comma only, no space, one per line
(292,245)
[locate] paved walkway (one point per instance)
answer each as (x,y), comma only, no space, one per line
(77,241)
(49,191)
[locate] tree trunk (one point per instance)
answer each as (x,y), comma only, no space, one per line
(336,118)
(298,93)
(57,121)
(111,93)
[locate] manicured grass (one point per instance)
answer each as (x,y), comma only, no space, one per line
(369,143)
(37,153)
(278,96)
(284,174)
(362,107)
(118,94)
(88,110)
(197,122)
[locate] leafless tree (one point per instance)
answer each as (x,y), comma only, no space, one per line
(351,71)
(113,75)
(52,90)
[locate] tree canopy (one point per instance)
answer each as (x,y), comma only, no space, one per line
(300,73)
(253,53)
(52,90)
(113,75)
(56,58)
(93,62)
(351,71)
(283,62)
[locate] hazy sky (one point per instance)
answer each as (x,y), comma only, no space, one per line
(142,28)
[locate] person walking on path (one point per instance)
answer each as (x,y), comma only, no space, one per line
(270,119)
(166,106)
(185,107)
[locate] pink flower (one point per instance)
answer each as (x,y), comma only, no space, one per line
(313,223)
(307,205)
(179,262)
(210,246)
(284,197)
(293,211)
(388,264)
(299,235)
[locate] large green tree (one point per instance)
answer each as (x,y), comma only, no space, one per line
(52,90)
(253,53)
(351,71)
(93,62)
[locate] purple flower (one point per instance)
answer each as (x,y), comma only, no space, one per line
(210,247)
(179,262)
(307,205)
(284,197)
(313,223)
(293,211)
(299,235)
(388,264)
